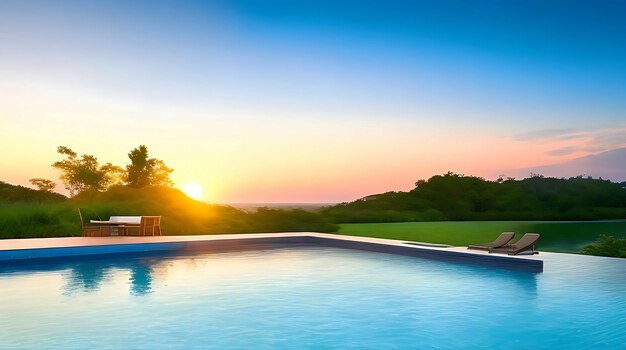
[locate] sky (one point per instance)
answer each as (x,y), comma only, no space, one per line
(312,101)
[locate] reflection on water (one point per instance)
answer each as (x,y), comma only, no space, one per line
(89,276)
(86,277)
(141,278)
(310,297)
(525,283)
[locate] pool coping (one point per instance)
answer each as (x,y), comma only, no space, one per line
(16,251)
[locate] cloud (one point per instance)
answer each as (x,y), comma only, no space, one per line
(572,140)
(549,134)
(607,165)
(570,150)
(562,151)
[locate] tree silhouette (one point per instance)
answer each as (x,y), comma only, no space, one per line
(83,173)
(43,184)
(144,171)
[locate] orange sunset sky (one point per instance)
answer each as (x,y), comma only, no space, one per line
(286,104)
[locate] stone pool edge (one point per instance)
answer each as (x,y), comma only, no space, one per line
(27,250)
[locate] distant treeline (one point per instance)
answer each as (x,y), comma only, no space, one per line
(458,197)
(33,214)
(16,193)
(26,212)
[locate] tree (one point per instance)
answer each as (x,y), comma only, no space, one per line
(419,183)
(44,185)
(160,175)
(144,171)
(115,175)
(83,173)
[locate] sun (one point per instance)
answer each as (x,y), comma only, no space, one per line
(192,190)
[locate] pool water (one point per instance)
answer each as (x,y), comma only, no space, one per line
(311,298)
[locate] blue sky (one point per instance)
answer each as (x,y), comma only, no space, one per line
(284,74)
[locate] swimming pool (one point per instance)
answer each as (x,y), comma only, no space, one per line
(311,297)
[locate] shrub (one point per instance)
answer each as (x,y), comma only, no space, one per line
(607,246)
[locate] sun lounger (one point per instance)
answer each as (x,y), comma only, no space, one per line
(504,238)
(525,244)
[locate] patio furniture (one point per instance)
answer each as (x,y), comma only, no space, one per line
(504,238)
(147,226)
(114,226)
(122,223)
(130,225)
(526,244)
(90,229)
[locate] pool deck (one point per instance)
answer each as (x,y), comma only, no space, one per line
(25,250)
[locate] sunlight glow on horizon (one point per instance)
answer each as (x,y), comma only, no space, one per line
(192,190)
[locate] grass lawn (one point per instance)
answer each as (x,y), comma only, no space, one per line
(556,236)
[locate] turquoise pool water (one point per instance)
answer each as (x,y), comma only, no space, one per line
(311,298)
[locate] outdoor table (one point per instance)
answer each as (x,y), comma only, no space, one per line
(115,228)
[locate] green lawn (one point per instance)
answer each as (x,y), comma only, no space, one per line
(557,236)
